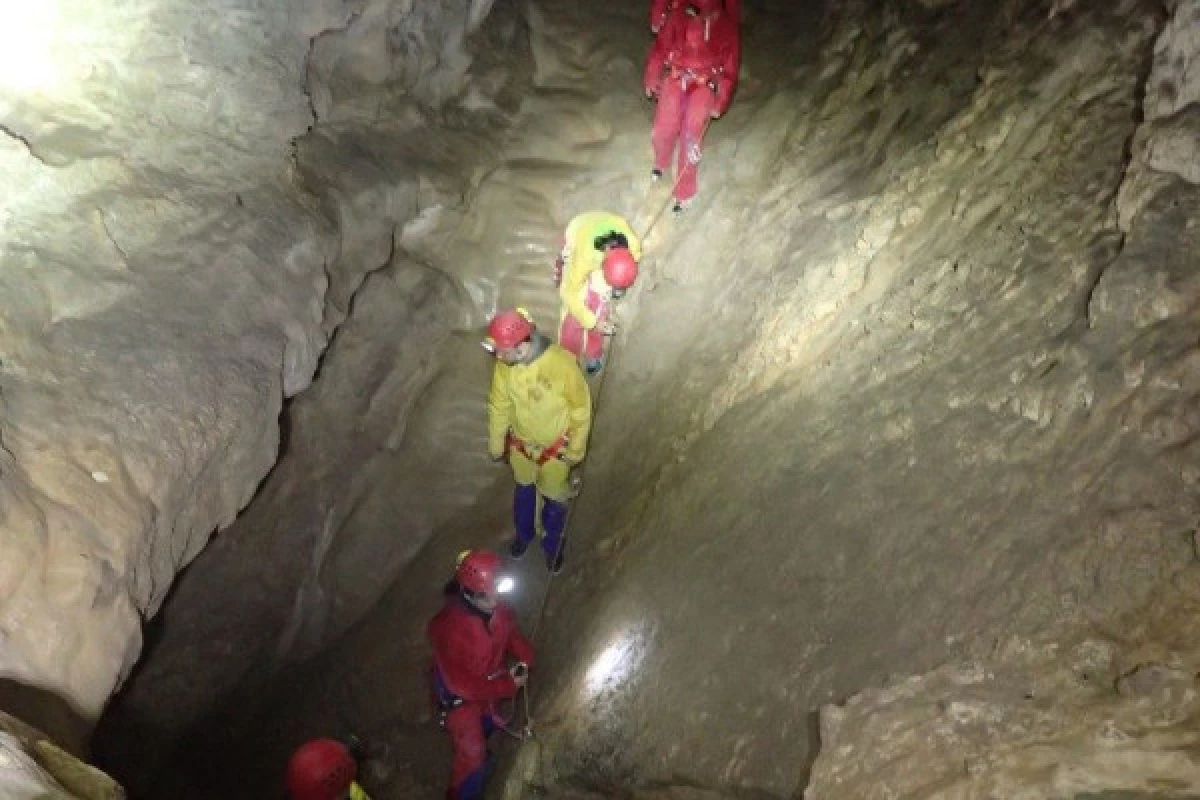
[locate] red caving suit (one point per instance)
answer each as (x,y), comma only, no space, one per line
(693,70)
(661,9)
(469,662)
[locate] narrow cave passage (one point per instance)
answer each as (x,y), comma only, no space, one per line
(894,459)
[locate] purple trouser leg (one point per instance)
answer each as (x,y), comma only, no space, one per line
(554,520)
(525,512)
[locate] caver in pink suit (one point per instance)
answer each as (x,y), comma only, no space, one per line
(692,70)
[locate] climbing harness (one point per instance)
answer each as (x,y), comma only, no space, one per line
(547,453)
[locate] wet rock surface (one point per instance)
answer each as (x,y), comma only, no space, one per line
(911,390)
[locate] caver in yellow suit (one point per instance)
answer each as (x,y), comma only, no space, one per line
(599,260)
(539,417)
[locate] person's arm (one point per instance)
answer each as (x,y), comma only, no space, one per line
(573,291)
(499,412)
(731,60)
(655,63)
(658,14)
(465,671)
(579,411)
(518,647)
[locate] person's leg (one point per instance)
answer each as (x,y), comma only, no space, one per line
(525,473)
(665,133)
(467,774)
(554,483)
(696,108)
(571,334)
(593,344)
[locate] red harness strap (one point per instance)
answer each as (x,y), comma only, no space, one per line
(516,443)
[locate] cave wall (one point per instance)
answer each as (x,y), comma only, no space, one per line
(173,271)
(943,392)
(1110,706)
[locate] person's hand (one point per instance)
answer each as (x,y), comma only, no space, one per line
(651,94)
(520,673)
(498,458)
(607,327)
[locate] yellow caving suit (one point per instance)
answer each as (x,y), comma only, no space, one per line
(583,262)
(357,793)
(538,402)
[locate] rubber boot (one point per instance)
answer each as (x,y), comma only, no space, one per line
(524,518)
(554,521)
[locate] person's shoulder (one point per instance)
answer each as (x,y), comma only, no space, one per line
(505,614)
(450,609)
(560,357)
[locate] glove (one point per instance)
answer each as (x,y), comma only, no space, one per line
(499,458)
(651,93)
(520,674)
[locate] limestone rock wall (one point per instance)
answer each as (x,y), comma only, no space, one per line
(35,768)
(166,279)
(1113,711)
(387,444)
(1112,707)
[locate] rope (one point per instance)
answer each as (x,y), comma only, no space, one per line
(657,217)
(527,732)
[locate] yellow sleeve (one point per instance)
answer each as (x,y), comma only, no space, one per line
(358,793)
(579,408)
(499,411)
(573,291)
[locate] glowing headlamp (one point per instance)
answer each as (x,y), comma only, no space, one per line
(505,585)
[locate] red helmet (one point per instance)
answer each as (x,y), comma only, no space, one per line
(320,770)
(620,269)
(477,571)
(509,328)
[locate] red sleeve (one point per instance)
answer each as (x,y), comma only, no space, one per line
(463,663)
(519,647)
(658,14)
(731,60)
(655,63)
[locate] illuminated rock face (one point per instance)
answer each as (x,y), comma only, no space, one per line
(915,375)
(168,279)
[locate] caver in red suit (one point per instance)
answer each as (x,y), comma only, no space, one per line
(661,9)
(692,70)
(473,638)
